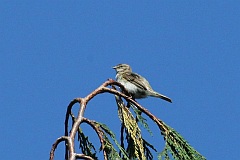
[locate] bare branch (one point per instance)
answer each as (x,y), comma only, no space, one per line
(69,145)
(54,146)
(144,110)
(83,156)
(99,133)
(69,108)
(69,138)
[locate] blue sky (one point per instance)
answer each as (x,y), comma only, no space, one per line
(54,51)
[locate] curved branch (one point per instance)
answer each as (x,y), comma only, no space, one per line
(83,102)
(83,156)
(69,108)
(101,89)
(129,99)
(69,146)
(69,139)
(99,133)
(54,146)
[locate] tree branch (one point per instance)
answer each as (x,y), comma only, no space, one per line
(99,132)
(70,137)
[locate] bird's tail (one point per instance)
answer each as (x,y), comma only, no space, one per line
(158,95)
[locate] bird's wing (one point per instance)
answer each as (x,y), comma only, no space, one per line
(135,79)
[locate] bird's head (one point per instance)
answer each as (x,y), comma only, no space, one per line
(122,68)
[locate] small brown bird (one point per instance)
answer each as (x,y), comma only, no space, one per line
(136,85)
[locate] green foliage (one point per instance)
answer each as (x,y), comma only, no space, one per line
(140,119)
(108,146)
(147,146)
(85,145)
(132,145)
(177,146)
(135,142)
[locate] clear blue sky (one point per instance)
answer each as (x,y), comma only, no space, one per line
(54,51)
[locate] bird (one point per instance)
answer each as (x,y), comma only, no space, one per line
(137,86)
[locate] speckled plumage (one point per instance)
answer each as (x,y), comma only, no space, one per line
(136,85)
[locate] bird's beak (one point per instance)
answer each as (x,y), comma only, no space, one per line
(114,67)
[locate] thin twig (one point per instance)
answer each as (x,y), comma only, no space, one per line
(83,156)
(54,146)
(99,133)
